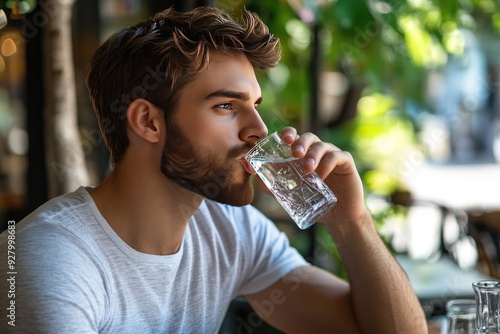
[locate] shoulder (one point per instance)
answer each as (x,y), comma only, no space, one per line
(60,226)
(61,210)
(57,266)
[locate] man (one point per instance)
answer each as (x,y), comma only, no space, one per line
(168,239)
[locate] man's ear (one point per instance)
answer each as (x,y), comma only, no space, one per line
(145,120)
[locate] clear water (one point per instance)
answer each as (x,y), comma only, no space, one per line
(304,196)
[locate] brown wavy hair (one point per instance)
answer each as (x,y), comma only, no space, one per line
(156,58)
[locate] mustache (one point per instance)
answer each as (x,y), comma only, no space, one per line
(239,150)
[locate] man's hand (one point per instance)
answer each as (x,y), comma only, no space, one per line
(338,170)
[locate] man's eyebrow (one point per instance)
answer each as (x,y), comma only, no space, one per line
(231,94)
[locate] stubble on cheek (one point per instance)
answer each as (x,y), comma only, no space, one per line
(221,179)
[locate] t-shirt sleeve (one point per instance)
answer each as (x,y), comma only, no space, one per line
(57,288)
(269,254)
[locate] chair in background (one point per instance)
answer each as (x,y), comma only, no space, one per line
(426,230)
(484,227)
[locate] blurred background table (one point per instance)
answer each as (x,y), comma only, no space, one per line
(439,281)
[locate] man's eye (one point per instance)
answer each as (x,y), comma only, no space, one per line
(224,106)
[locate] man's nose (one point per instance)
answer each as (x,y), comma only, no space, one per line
(254,129)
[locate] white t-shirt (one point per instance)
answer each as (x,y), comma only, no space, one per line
(73,273)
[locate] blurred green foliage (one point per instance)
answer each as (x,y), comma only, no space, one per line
(381,139)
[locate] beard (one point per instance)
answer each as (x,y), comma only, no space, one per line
(204,172)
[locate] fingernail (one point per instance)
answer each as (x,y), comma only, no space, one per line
(288,135)
(310,161)
(299,148)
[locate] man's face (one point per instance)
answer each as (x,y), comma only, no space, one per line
(215,124)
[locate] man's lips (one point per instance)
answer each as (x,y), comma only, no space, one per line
(247,166)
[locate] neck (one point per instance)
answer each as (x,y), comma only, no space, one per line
(147,210)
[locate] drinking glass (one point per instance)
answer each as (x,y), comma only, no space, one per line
(487,294)
(303,195)
(461,315)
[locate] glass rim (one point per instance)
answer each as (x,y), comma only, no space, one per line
(463,301)
(461,306)
(490,284)
(260,142)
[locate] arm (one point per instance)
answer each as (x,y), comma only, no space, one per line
(378,298)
